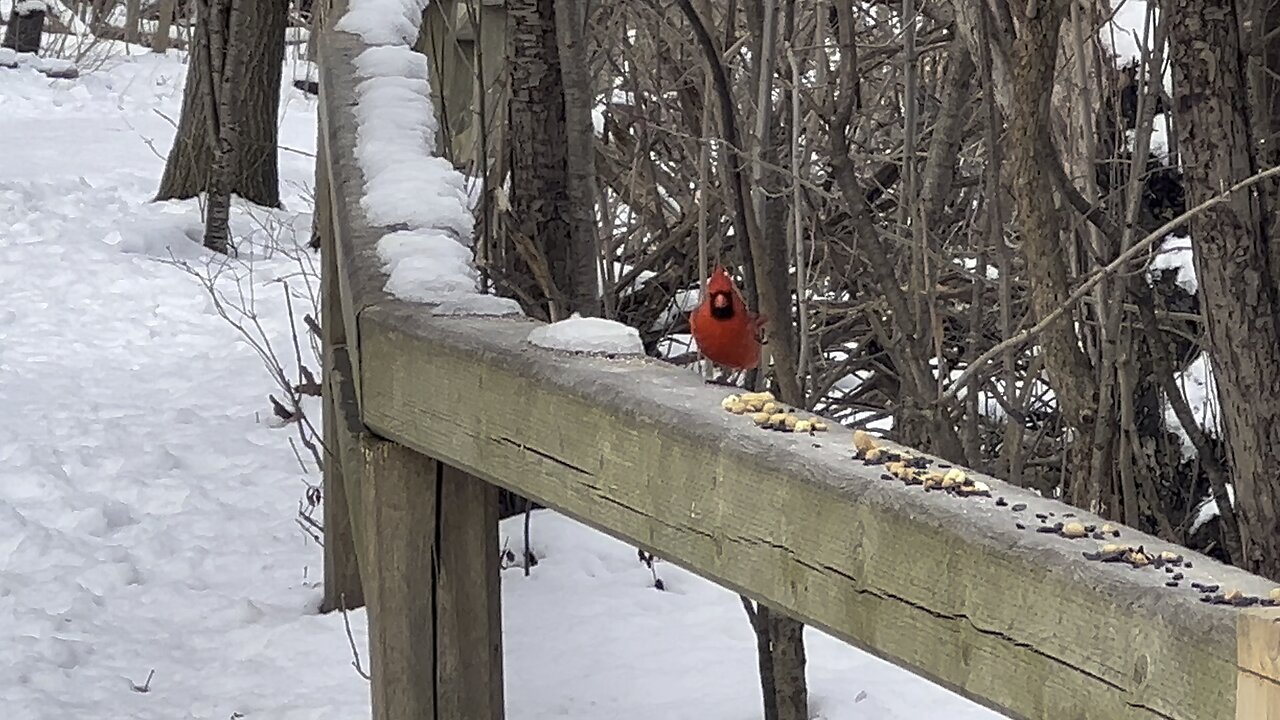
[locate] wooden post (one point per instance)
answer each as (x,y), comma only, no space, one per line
(342,588)
(426,539)
(468,600)
(1258,679)
(398,501)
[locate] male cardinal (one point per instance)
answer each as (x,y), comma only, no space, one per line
(727,333)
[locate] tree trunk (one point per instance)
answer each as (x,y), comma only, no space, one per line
(132,9)
(544,223)
(23,31)
(160,41)
(1070,370)
(222,26)
(255,175)
(1238,277)
(571,18)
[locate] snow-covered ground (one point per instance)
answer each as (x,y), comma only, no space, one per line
(150,563)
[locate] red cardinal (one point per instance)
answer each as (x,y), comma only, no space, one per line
(727,333)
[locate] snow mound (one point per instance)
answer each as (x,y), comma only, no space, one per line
(588,335)
(406,184)
(383,22)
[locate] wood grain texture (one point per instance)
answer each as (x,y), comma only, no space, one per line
(1258,688)
(468,599)
(342,587)
(945,586)
(350,440)
(398,502)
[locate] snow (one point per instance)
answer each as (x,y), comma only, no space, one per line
(26,7)
(1208,509)
(1175,254)
(685,653)
(148,498)
(384,22)
(1126,29)
(588,335)
(1197,386)
(426,266)
(406,184)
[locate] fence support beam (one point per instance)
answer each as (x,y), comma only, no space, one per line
(342,587)
(398,501)
(468,599)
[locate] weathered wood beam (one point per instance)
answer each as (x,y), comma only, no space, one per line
(342,588)
(946,586)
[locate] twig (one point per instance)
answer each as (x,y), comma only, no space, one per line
(355,654)
(146,686)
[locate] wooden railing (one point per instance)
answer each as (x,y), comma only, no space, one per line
(425,415)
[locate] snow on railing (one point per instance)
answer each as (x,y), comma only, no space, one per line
(408,186)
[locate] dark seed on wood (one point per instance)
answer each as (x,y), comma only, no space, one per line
(1209,588)
(1048,529)
(1245,601)
(1066,514)
(1090,528)
(1001,502)
(1269,602)
(1206,598)
(1019,507)
(944,466)
(1098,536)
(1177,576)
(1186,564)
(887,476)
(1171,583)
(1020,526)
(1197,585)
(1168,569)
(1095,556)
(1042,516)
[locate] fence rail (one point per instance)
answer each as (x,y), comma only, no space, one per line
(427,414)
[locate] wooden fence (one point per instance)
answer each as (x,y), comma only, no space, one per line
(426,415)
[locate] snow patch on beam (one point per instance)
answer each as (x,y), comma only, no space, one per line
(408,187)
